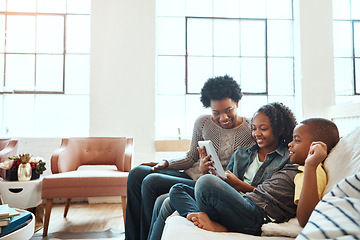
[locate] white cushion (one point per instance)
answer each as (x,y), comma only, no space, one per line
(343,160)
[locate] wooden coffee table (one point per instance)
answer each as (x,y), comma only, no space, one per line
(24,233)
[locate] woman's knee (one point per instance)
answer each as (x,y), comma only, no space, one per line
(207,181)
(139,173)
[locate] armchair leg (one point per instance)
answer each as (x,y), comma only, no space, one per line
(123,203)
(67,205)
(48,208)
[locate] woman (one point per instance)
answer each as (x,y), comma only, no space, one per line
(224,127)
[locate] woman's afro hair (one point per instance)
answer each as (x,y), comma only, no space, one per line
(219,88)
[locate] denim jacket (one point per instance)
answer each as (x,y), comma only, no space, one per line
(243,157)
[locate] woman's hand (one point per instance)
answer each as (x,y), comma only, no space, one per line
(155,166)
(206,165)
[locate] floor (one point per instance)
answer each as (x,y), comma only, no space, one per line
(84,217)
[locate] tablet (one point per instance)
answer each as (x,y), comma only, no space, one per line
(210,150)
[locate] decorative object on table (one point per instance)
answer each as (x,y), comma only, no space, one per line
(24,168)
(15,163)
(16,222)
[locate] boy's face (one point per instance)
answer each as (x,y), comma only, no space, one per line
(300,145)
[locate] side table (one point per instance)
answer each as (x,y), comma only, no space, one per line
(21,194)
(23,233)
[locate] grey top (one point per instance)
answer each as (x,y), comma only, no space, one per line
(276,195)
(225,142)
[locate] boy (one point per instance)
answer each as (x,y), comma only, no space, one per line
(219,207)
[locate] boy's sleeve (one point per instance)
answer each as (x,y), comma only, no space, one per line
(321,182)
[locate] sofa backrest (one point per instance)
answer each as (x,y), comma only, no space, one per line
(343,160)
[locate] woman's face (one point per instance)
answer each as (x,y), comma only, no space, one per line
(224,112)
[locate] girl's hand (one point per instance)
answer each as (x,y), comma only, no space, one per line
(317,154)
(206,165)
(231,179)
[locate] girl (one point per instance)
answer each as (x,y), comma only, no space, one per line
(272,127)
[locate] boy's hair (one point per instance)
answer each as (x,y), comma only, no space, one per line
(324,130)
(219,88)
(282,120)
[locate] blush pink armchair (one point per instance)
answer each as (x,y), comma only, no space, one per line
(8,147)
(73,176)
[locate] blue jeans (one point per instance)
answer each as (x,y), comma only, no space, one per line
(221,202)
(159,217)
(143,188)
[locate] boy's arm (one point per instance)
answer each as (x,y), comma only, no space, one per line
(309,194)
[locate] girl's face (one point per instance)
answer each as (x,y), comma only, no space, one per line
(224,112)
(263,134)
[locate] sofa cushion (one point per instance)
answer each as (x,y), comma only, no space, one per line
(343,160)
(338,213)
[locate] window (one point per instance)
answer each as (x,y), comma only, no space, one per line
(44,67)
(346,31)
(252,41)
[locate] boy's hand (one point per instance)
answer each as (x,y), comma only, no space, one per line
(317,154)
(206,165)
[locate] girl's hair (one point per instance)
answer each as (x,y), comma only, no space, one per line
(219,88)
(282,120)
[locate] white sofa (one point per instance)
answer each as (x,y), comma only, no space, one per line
(343,161)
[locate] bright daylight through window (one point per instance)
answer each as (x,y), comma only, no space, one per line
(252,41)
(44,67)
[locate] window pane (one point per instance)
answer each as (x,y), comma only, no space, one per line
(77,74)
(2,8)
(50,34)
(52,6)
(253,9)
(280,41)
(286,100)
(2,33)
(227,65)
(355,6)
(79,6)
(357,39)
(49,72)
(226,8)
(170,112)
(20,36)
(343,68)
(281,76)
(199,8)
(199,70)
(171,75)
(170,8)
(71,121)
(279,9)
(253,75)
(250,104)
(194,109)
(78,34)
(199,37)
(13,106)
(342,39)
(20,80)
(357,71)
(226,38)
(341,9)
(170,36)
(253,38)
(21,5)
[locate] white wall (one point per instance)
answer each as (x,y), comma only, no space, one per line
(122,86)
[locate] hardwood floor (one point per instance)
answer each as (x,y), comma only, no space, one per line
(84,217)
